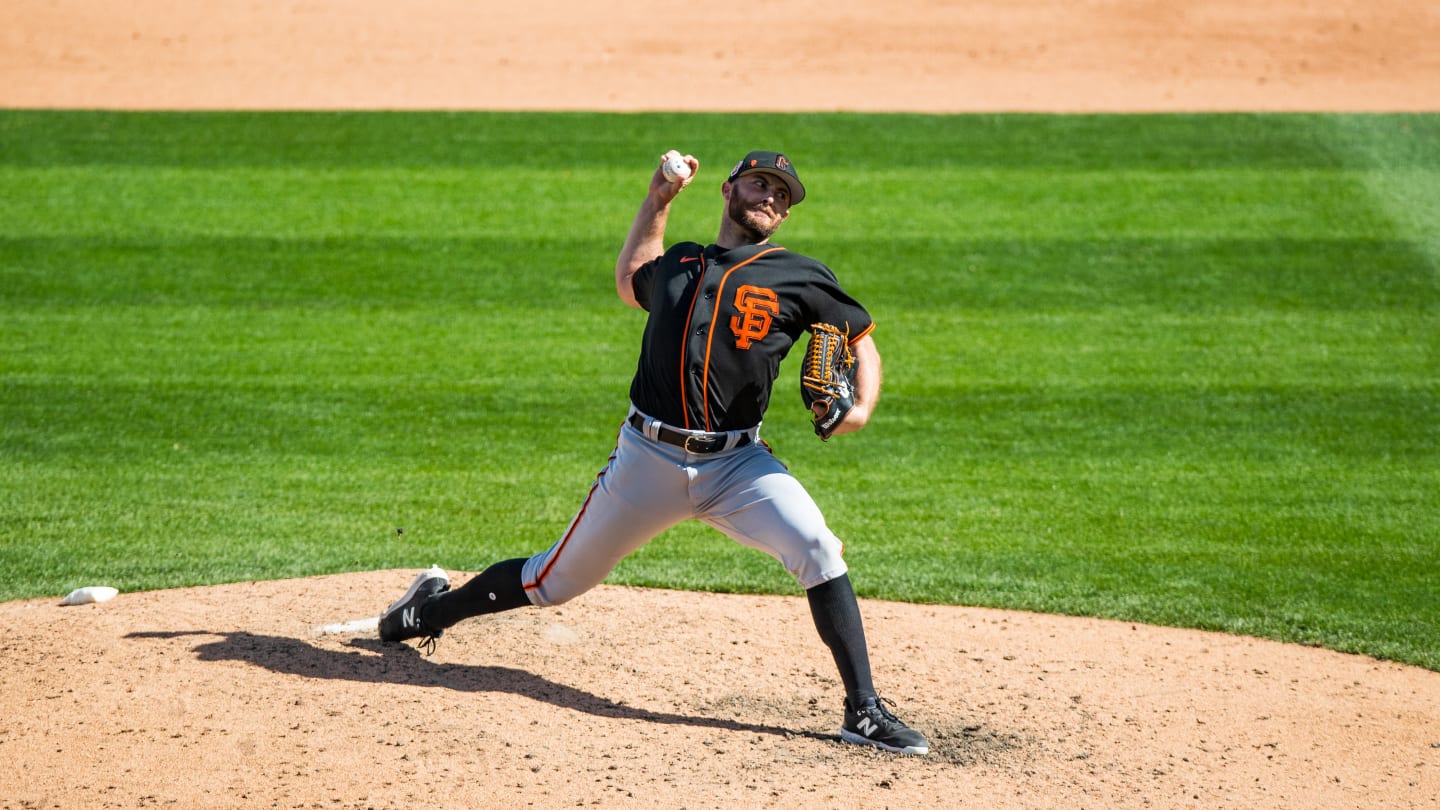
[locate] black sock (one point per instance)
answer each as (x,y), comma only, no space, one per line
(499,587)
(837,617)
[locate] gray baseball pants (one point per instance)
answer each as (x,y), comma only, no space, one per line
(649,486)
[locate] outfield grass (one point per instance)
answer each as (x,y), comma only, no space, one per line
(1170,369)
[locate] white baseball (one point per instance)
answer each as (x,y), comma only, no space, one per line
(675,168)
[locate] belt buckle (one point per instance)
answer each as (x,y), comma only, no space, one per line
(704,446)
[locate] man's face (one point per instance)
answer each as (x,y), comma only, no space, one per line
(758,203)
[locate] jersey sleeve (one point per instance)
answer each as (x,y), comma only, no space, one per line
(643,282)
(831,304)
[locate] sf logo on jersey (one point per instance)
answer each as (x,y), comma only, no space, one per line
(758,306)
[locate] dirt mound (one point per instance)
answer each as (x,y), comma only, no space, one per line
(258,694)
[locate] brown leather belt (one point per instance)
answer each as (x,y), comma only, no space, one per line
(698,443)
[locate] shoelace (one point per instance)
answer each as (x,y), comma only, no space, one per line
(430,641)
(880,704)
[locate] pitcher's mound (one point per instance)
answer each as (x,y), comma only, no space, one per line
(253,694)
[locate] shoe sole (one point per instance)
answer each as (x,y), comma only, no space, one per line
(858,739)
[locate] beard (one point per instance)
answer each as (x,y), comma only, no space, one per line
(755,228)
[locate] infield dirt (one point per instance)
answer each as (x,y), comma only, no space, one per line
(233,696)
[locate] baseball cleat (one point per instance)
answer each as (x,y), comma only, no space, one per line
(401,620)
(873,724)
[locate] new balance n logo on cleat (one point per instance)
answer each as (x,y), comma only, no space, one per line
(402,619)
(873,724)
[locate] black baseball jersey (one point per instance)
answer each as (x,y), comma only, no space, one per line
(721,320)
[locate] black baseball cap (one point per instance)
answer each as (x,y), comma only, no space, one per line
(771,163)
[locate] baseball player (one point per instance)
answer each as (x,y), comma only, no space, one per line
(721,318)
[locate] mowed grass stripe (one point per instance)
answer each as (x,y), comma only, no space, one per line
(933,204)
(853,142)
(960,274)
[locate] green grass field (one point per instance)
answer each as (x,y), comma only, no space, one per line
(1172,369)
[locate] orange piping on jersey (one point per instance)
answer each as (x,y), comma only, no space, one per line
(856,338)
(715,316)
(685,340)
(570,532)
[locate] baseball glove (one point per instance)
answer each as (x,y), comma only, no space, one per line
(827,378)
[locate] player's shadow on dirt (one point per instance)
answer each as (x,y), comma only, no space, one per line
(401,664)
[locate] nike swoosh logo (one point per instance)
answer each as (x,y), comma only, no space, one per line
(690,259)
